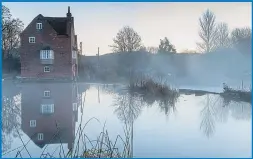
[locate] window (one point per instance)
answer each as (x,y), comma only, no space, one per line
(39,26)
(46,69)
(46,54)
(74,106)
(47,108)
(46,93)
(74,54)
(40,136)
(32,123)
(31,39)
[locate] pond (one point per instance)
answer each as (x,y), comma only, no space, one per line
(49,119)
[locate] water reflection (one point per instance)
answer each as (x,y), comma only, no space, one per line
(208,113)
(11,122)
(128,107)
(217,109)
(48,113)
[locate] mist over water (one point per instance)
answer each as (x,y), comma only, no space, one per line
(192,126)
(181,69)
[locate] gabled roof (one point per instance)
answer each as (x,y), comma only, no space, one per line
(59,24)
(60,136)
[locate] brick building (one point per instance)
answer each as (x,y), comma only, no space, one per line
(49,113)
(49,48)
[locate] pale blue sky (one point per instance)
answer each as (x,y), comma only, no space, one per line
(97,23)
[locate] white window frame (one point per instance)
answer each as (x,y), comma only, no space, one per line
(74,54)
(47,108)
(40,136)
(32,123)
(47,93)
(46,69)
(39,26)
(46,54)
(74,106)
(32,40)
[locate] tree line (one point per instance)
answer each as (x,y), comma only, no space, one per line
(128,40)
(213,36)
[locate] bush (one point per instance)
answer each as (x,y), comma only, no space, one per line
(147,85)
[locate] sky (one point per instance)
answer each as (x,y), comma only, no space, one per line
(96,24)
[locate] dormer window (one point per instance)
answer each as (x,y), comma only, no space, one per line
(39,26)
(31,39)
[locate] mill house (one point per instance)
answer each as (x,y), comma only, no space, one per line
(49,48)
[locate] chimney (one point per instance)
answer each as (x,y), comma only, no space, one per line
(69,14)
(69,22)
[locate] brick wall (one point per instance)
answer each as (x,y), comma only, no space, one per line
(31,66)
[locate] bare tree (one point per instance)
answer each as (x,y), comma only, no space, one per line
(11,28)
(222,36)
(242,40)
(127,40)
(5,16)
(166,47)
(207,32)
(239,34)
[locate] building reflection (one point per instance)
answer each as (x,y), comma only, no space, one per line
(49,113)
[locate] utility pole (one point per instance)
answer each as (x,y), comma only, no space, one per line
(98,57)
(97,72)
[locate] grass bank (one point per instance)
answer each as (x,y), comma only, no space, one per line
(236,94)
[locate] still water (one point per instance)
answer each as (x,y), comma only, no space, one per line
(46,119)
